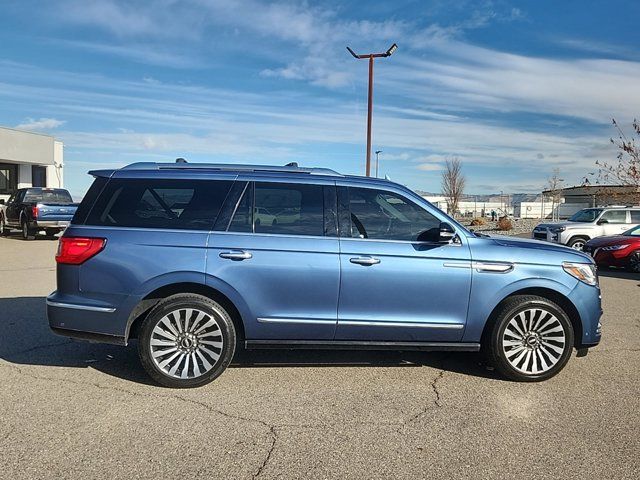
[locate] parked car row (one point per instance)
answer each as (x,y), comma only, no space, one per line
(610,234)
(34,210)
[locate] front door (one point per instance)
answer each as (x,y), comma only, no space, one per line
(279,253)
(398,283)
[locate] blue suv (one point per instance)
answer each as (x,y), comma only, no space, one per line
(194,260)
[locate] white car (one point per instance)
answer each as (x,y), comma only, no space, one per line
(587,224)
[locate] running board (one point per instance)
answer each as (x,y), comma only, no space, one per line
(361,345)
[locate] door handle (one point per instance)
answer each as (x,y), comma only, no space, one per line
(365,260)
(237,255)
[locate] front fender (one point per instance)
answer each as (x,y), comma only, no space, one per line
(489,289)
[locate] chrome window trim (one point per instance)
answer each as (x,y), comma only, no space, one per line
(78,306)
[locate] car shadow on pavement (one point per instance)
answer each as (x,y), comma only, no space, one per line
(25,339)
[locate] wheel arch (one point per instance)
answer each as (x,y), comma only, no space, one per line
(144,306)
(553,295)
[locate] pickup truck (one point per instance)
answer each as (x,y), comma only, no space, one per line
(33,210)
(587,224)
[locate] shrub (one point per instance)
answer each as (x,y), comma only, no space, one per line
(505,224)
(478,221)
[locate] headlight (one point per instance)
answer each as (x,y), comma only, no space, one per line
(585,272)
(558,229)
(613,248)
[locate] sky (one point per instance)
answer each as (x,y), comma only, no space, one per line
(512,89)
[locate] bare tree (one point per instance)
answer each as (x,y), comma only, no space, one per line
(453,182)
(626,169)
(554,186)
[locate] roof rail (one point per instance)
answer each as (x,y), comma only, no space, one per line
(230,167)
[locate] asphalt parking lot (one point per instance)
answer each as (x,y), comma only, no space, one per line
(70,409)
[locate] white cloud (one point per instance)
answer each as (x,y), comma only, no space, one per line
(40,124)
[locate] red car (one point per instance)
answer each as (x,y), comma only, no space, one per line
(617,251)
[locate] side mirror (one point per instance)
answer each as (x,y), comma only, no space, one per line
(602,222)
(447,233)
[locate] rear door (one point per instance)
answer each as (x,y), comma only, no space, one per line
(283,265)
(397,282)
(617,221)
(14,206)
(156,232)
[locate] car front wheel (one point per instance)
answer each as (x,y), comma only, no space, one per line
(186,341)
(531,339)
(634,262)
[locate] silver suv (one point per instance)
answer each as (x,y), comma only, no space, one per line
(587,224)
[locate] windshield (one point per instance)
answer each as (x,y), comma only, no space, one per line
(47,196)
(633,232)
(588,215)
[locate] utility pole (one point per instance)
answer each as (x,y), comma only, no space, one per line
(377,152)
(371,56)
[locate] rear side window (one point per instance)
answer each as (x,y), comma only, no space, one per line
(281,208)
(635,216)
(88,200)
(170,204)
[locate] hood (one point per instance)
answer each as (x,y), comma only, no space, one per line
(565,224)
(517,242)
(612,240)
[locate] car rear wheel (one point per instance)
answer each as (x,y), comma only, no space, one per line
(186,341)
(634,262)
(577,243)
(27,233)
(52,232)
(531,339)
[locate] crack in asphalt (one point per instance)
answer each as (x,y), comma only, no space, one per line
(274,439)
(434,386)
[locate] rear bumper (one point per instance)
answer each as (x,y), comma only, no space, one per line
(77,318)
(49,223)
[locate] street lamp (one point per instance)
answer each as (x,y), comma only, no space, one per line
(371,56)
(377,152)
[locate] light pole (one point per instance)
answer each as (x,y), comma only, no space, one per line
(371,56)
(377,152)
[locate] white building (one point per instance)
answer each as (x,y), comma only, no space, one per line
(473,208)
(29,160)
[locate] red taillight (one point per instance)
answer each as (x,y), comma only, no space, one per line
(77,250)
(34,212)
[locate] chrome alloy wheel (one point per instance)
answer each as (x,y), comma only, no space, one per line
(533,341)
(186,343)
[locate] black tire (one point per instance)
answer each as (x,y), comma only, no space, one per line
(27,233)
(223,329)
(576,241)
(496,344)
(4,230)
(634,262)
(52,232)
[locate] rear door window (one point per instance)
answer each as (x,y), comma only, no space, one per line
(635,216)
(168,204)
(615,216)
(284,209)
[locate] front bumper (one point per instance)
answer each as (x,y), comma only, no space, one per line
(588,302)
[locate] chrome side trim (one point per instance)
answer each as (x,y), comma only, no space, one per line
(457,264)
(493,267)
(378,323)
(317,321)
(77,306)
